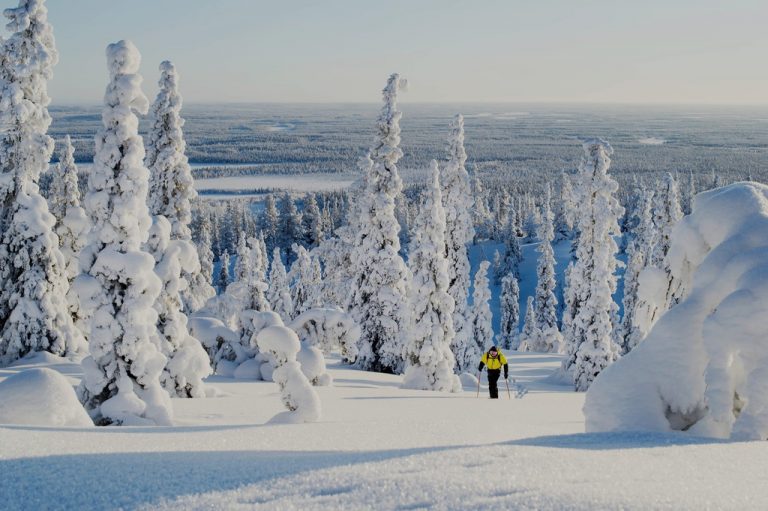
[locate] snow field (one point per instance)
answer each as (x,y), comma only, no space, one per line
(377,446)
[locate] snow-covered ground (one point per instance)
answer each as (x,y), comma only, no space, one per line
(376,447)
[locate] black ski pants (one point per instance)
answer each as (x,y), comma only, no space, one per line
(493,379)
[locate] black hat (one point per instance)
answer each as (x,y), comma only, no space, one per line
(493,348)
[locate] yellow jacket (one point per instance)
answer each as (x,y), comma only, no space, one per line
(493,363)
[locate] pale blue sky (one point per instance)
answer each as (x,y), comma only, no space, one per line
(692,51)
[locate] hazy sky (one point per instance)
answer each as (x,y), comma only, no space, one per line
(693,51)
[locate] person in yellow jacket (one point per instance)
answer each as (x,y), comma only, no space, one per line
(494,359)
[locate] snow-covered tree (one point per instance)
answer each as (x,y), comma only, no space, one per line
(481,215)
(378,295)
(71,221)
(290,230)
(121,377)
(549,338)
(565,209)
(510,313)
(428,356)
(666,214)
(482,328)
(530,334)
(312,222)
(513,254)
(204,249)
(459,231)
(244,261)
(34,313)
(643,239)
(224,278)
(171,189)
(270,222)
(305,281)
(278,293)
(590,343)
(187,362)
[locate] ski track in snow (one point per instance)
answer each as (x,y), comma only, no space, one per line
(376,447)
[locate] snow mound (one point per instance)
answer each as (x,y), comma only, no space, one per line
(248,370)
(651,141)
(41,397)
(703,367)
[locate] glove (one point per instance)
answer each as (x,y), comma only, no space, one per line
(506,376)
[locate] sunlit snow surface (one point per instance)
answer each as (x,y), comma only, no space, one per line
(376,447)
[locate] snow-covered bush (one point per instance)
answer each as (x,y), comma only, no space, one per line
(298,396)
(41,397)
(327,329)
(313,365)
(703,366)
(212,334)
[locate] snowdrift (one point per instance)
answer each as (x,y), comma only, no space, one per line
(703,367)
(41,397)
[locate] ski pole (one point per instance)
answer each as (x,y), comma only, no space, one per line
(509,395)
(478,385)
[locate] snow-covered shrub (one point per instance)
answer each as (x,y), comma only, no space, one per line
(41,397)
(703,367)
(212,334)
(313,365)
(327,329)
(298,396)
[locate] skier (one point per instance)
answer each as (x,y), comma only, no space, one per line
(495,360)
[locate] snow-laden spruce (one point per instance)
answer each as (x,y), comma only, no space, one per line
(378,300)
(305,281)
(589,341)
(298,396)
(509,334)
(702,367)
(459,232)
(171,183)
(548,337)
(72,223)
(635,325)
(278,293)
(224,279)
(34,314)
(204,249)
(187,363)
(666,213)
(529,335)
(482,328)
(429,361)
(565,209)
(121,377)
